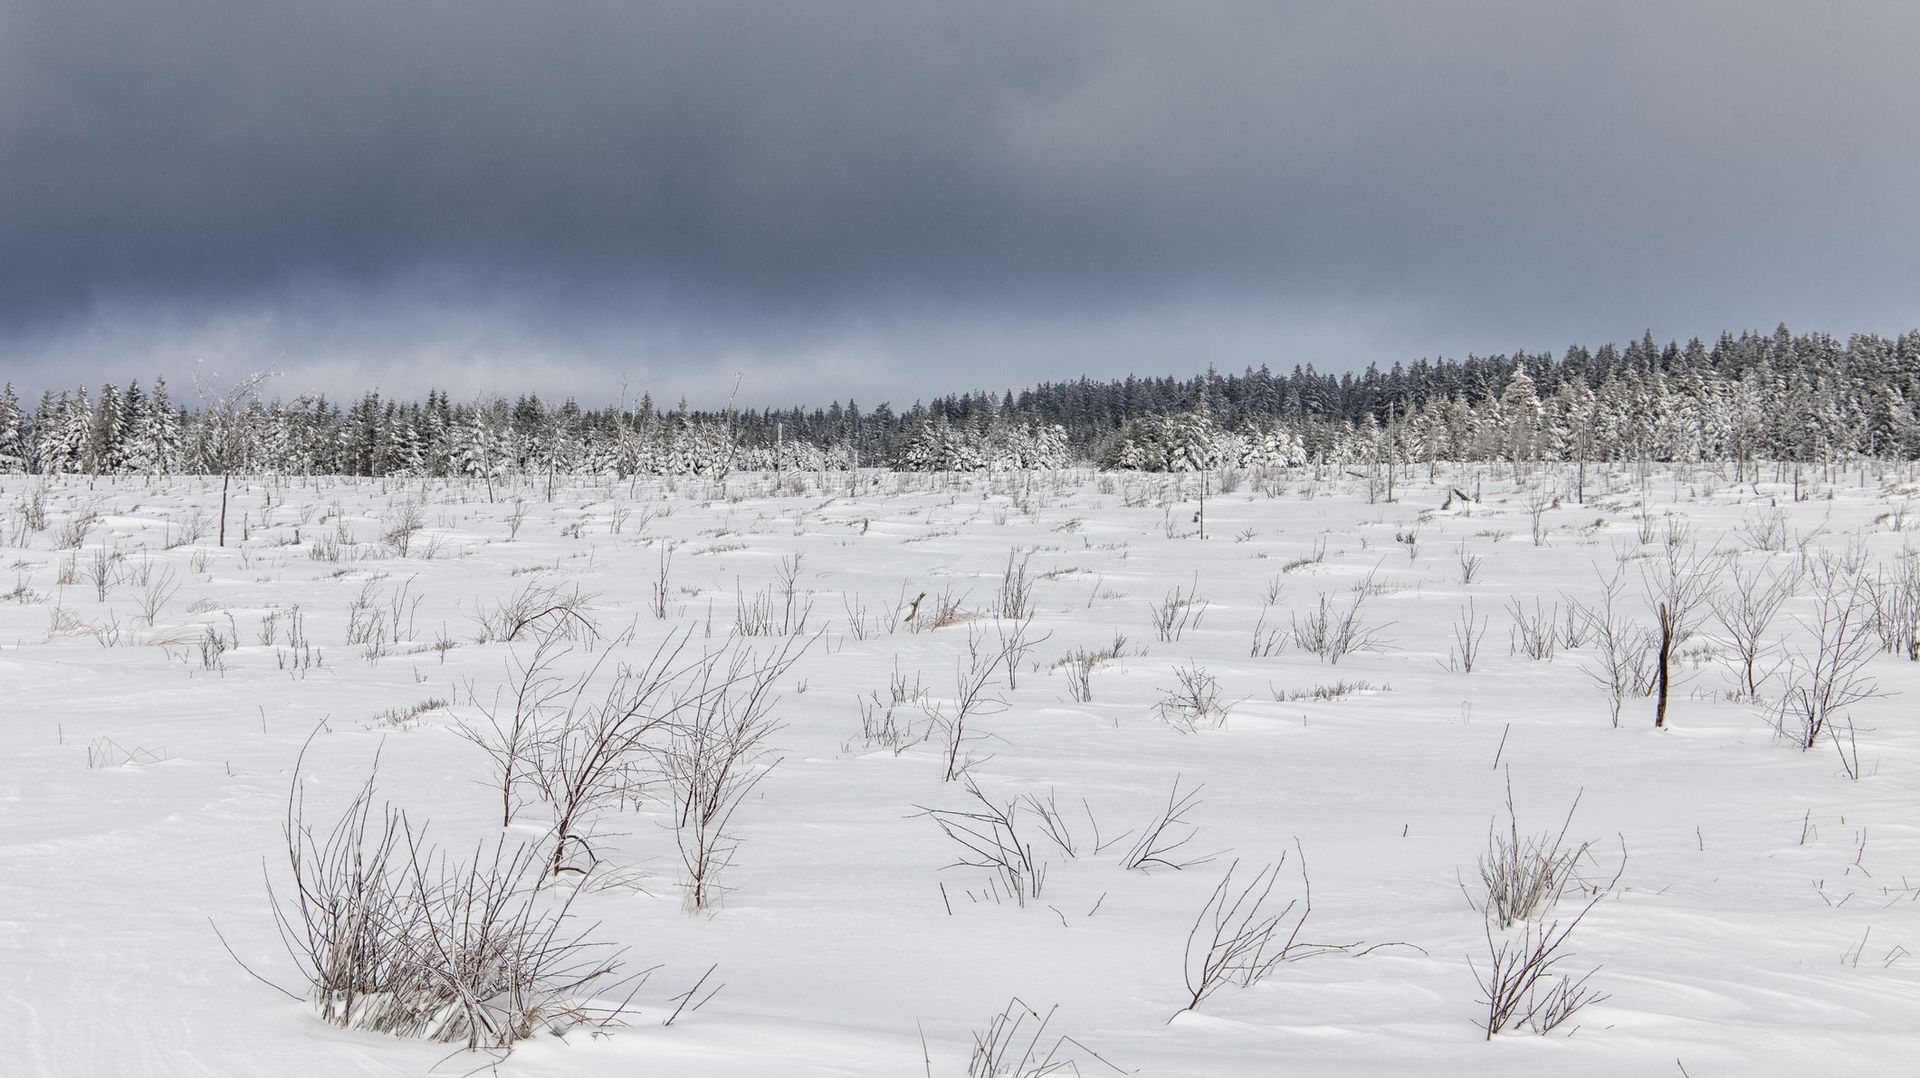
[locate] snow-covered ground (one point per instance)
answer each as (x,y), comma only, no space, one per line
(1764,921)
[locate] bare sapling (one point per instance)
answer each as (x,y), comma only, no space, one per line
(1745,611)
(1623,651)
(1164,839)
(972,696)
(1467,636)
(1016,640)
(714,756)
(1239,938)
(1677,587)
(1179,611)
(588,753)
(1829,676)
(1013,601)
(512,731)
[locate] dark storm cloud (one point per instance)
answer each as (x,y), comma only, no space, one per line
(854,191)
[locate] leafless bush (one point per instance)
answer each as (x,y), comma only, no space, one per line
(1177,612)
(973,678)
(1535,635)
(1830,676)
(1466,639)
(1469,564)
(882,724)
(1008,1046)
(102,570)
(1016,640)
(862,624)
(587,751)
(1522,874)
(1080,664)
(1538,502)
(1268,641)
(73,533)
(661,581)
(1764,529)
(1746,610)
(512,731)
(392,935)
(713,755)
(535,604)
(1521,985)
(159,591)
(1524,877)
(1194,702)
(1896,607)
(405,521)
(990,837)
(1163,840)
(1014,599)
(1238,938)
(1333,630)
(795,605)
(1677,586)
(1624,651)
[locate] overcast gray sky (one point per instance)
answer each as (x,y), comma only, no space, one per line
(897,199)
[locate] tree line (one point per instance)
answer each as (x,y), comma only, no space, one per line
(1777,396)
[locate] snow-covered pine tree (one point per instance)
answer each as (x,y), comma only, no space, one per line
(14,455)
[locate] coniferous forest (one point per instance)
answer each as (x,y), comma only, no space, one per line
(1756,396)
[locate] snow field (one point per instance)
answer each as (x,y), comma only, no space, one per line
(1761,923)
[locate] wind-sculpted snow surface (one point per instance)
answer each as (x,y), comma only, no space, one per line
(876,774)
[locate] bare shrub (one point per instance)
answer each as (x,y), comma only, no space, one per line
(990,837)
(1466,639)
(1624,652)
(587,752)
(1521,985)
(712,759)
(1080,664)
(1194,703)
(662,581)
(1896,607)
(1179,611)
(1238,938)
(1014,1043)
(1164,839)
(1524,877)
(1535,635)
(1764,529)
(405,521)
(1016,640)
(394,936)
(1469,564)
(1013,601)
(973,679)
(1677,586)
(74,532)
(1745,611)
(1830,676)
(1333,630)
(511,733)
(159,591)
(534,604)
(1522,874)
